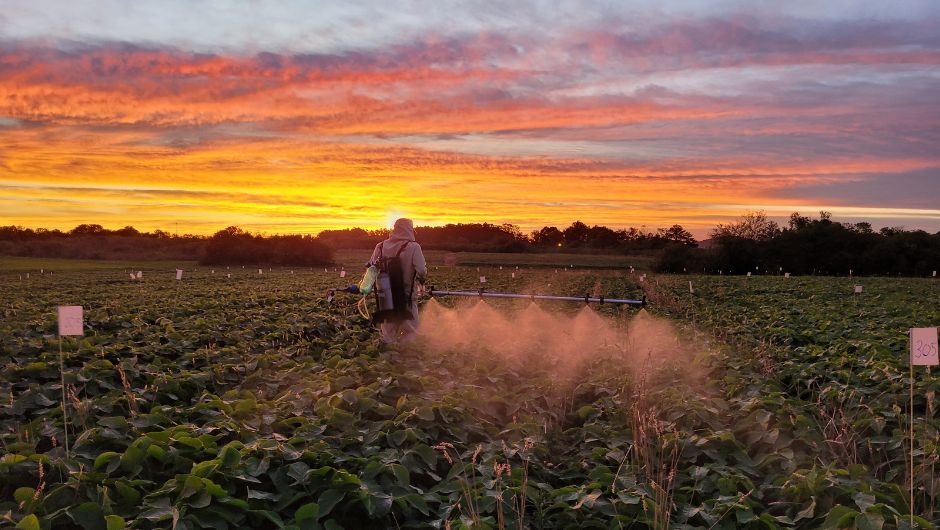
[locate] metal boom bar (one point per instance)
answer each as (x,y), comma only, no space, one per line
(585,298)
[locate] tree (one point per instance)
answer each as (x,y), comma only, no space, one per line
(752,225)
(576,234)
(678,234)
(548,236)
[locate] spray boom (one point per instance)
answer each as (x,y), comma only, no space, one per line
(586,298)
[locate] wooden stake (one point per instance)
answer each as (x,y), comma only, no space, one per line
(65,414)
(912,440)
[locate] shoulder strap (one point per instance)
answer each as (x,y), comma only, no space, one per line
(400,250)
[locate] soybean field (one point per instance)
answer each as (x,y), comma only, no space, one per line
(240,398)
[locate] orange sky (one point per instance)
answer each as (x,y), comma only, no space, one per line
(687,120)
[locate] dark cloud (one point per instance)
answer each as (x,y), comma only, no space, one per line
(913,190)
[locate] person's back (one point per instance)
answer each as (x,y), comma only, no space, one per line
(401,242)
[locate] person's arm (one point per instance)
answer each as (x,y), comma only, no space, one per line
(375,255)
(420,265)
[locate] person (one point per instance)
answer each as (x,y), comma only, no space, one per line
(414,272)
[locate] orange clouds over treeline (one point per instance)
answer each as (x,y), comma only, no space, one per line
(688,120)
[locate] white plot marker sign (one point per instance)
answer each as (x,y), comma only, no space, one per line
(179,274)
(71,324)
(342,274)
(859,289)
(70,321)
(140,274)
(133,276)
(260,271)
(924,347)
(786,275)
(482,279)
(513,276)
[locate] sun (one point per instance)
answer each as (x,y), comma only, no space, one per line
(392,216)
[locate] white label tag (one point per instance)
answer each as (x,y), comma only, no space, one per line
(786,275)
(260,271)
(924,347)
(70,321)
(140,274)
(342,274)
(179,274)
(482,279)
(691,290)
(133,276)
(859,289)
(748,275)
(514,275)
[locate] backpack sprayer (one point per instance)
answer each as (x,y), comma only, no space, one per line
(392,303)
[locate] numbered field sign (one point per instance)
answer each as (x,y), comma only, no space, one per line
(179,274)
(482,279)
(691,290)
(513,276)
(924,347)
(859,289)
(260,271)
(749,275)
(70,321)
(786,275)
(342,274)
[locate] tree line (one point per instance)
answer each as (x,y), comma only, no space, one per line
(821,246)
(753,243)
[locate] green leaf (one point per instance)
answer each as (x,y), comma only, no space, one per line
(328,500)
(311,510)
(378,505)
(397,438)
(104,458)
(807,512)
(132,458)
(114,522)
(869,521)
(24,494)
(863,500)
(30,522)
(230,456)
(839,517)
(89,516)
(191,486)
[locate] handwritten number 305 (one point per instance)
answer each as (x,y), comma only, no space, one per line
(925,349)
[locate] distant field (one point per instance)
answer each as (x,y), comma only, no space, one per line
(16,264)
(355,258)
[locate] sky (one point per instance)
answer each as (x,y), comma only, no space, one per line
(298,116)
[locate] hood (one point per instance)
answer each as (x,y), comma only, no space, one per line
(404,231)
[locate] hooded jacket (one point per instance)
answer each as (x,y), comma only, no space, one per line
(412,258)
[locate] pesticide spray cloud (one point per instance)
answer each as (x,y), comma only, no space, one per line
(553,339)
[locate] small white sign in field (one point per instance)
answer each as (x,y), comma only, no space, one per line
(179,274)
(482,279)
(924,347)
(342,274)
(70,321)
(859,289)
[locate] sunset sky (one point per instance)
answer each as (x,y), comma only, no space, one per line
(295,116)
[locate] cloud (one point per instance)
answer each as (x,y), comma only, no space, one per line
(613,116)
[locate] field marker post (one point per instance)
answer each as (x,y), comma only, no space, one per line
(70,324)
(692,306)
(924,352)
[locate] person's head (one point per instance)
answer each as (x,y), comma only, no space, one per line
(404,229)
